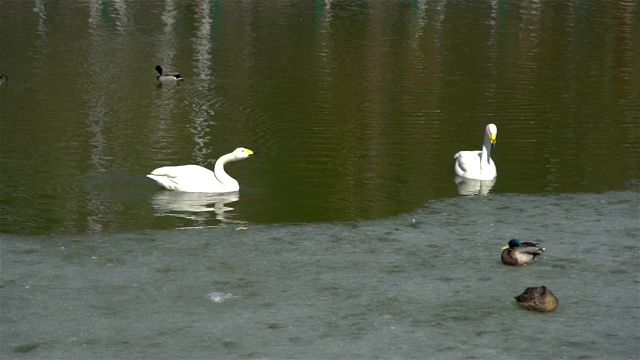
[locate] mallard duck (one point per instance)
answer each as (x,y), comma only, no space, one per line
(478,164)
(538,298)
(517,253)
(167,77)
(194,178)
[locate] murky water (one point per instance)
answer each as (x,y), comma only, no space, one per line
(427,284)
(349,237)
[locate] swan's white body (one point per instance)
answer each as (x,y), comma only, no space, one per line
(478,164)
(194,178)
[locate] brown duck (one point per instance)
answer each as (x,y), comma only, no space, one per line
(538,298)
(517,253)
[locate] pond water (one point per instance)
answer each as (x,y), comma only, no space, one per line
(350,236)
(428,284)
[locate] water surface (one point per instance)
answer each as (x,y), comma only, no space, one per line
(423,285)
(357,106)
(349,237)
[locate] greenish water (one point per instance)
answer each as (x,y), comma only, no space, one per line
(349,237)
(358,107)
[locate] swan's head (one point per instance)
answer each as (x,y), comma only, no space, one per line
(513,243)
(492,133)
(242,153)
(159,69)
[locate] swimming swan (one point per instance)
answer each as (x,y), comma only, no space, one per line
(478,164)
(167,77)
(194,178)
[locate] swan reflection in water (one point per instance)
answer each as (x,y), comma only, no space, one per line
(474,187)
(194,206)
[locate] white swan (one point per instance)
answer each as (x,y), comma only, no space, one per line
(194,178)
(478,164)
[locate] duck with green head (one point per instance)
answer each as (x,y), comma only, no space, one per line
(537,298)
(520,253)
(164,78)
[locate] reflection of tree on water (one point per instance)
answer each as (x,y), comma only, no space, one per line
(202,95)
(473,186)
(195,206)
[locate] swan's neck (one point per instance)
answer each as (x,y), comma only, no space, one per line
(222,175)
(485,158)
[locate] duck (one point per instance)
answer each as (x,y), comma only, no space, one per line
(195,178)
(167,77)
(520,253)
(3,79)
(538,299)
(478,165)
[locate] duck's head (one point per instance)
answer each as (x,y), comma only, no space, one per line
(513,243)
(159,69)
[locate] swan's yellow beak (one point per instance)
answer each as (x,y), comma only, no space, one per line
(249,152)
(492,138)
(505,247)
